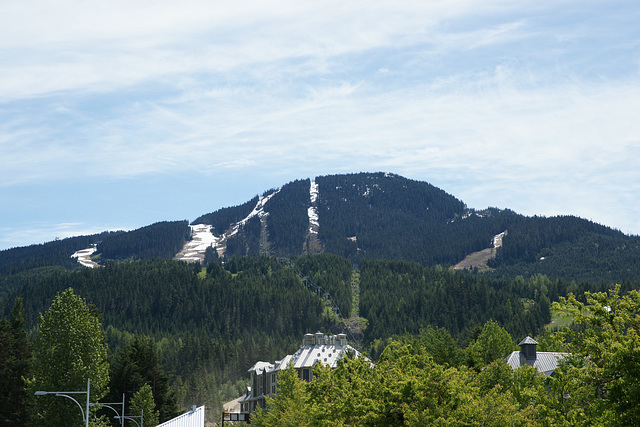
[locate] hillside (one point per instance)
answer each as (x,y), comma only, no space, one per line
(366,216)
(480,260)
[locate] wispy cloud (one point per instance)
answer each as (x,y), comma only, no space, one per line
(105,45)
(43,232)
(522,105)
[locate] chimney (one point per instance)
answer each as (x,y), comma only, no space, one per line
(308,339)
(342,339)
(528,348)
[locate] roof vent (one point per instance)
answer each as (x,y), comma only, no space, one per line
(528,348)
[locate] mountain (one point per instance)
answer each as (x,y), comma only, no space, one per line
(384,216)
(366,216)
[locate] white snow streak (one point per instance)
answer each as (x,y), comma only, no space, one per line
(84,256)
(201,239)
(312,210)
(258,210)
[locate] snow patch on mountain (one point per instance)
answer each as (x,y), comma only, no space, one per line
(201,239)
(312,244)
(258,211)
(497,239)
(84,256)
(312,210)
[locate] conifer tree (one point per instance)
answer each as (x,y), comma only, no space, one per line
(137,364)
(15,355)
(142,405)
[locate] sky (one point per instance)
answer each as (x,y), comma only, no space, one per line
(117,114)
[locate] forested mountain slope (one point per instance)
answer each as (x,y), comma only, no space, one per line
(57,252)
(569,248)
(209,328)
(159,240)
(216,325)
(363,216)
(385,216)
(369,216)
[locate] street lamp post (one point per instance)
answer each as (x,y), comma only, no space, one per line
(85,413)
(108,405)
(131,417)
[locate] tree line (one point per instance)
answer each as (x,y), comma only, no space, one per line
(57,252)
(222,219)
(398,297)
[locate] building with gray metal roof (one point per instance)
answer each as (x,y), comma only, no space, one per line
(316,348)
(545,362)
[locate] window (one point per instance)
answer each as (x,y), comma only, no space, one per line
(273,383)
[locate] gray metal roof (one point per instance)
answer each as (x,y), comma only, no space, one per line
(307,356)
(528,340)
(327,354)
(545,362)
(193,418)
(261,366)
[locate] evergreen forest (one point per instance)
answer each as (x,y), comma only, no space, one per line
(209,325)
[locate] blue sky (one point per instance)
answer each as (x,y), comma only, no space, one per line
(117,114)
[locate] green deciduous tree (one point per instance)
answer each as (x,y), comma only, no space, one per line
(608,341)
(493,343)
(569,397)
(406,387)
(69,347)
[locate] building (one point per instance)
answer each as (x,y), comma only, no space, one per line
(545,362)
(193,418)
(316,348)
